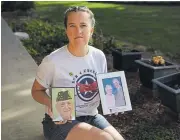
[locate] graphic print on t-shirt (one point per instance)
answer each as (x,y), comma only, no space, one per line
(86,85)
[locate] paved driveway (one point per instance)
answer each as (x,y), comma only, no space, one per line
(21,116)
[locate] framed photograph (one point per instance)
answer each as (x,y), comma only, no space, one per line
(63,103)
(114,92)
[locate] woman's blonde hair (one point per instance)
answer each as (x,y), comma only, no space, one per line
(77,9)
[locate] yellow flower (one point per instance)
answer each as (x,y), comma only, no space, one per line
(162,61)
(158,60)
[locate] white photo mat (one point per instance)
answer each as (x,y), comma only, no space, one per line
(108,79)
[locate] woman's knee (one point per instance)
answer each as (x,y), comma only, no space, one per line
(106,136)
(85,131)
(114,133)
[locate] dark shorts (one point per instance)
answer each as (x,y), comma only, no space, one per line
(60,132)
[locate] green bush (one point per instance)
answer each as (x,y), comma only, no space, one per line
(44,37)
(16,5)
(17,25)
(103,43)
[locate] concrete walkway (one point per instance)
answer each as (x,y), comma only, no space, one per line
(21,116)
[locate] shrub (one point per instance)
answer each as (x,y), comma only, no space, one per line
(103,43)
(17,25)
(98,40)
(17,5)
(44,37)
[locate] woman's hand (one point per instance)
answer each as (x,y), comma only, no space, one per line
(50,112)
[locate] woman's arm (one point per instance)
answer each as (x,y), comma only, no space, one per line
(39,94)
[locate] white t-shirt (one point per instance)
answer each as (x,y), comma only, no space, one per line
(62,69)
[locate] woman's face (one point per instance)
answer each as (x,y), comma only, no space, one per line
(79,28)
(108,89)
(65,109)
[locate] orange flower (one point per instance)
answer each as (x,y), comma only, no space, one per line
(158,60)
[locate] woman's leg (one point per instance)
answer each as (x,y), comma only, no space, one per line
(101,122)
(72,131)
(84,131)
(113,132)
(54,131)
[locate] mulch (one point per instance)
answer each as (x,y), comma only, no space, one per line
(146,109)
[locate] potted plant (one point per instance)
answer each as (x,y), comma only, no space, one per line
(169,90)
(124,59)
(154,68)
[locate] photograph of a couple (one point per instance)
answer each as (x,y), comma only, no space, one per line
(114,92)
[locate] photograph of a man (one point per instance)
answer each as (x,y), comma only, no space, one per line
(118,92)
(64,106)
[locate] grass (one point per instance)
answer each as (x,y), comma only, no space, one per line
(157,27)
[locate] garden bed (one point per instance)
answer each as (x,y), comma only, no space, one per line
(148,120)
(174,84)
(149,71)
(125,59)
(169,90)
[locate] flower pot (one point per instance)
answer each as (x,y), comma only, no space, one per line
(147,72)
(169,90)
(125,60)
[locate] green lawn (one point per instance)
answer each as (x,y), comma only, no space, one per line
(152,26)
